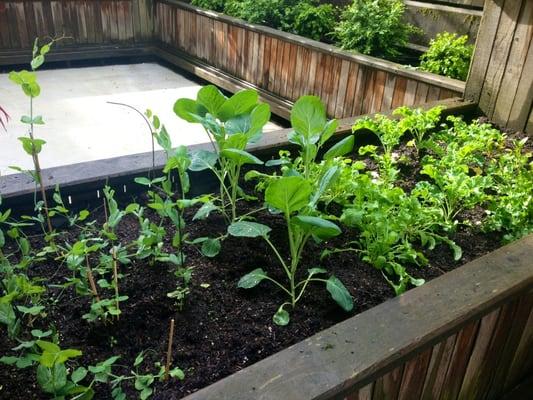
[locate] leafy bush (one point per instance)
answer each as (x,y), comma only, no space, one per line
(448,55)
(215,5)
(310,19)
(374,27)
(264,12)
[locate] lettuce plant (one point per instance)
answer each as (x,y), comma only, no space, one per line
(231,124)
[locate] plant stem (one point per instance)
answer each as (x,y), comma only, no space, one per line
(90,277)
(38,171)
(169,349)
(149,127)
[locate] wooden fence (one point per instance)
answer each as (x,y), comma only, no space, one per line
(501,77)
(84,22)
(290,66)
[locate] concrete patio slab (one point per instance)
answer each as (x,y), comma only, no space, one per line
(80,125)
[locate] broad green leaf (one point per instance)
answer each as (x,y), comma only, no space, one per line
(325,181)
(141,180)
(35,310)
(318,227)
(288,194)
(341,148)
(204,211)
(48,346)
(281,317)
(339,293)
(308,118)
(163,139)
(188,110)
(252,279)
(211,98)
(31,89)
(203,159)
(37,62)
(177,374)
(329,130)
(241,102)
(211,247)
(79,374)
(240,157)
(248,229)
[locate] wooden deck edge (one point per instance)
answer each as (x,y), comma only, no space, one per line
(355,352)
(279,105)
(15,185)
(374,62)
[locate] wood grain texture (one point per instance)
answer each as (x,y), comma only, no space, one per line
(500,76)
(291,66)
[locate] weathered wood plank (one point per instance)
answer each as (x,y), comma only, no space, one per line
(413,376)
(438,365)
(523,101)
(501,47)
(483,50)
(474,379)
(387,386)
(521,313)
(459,361)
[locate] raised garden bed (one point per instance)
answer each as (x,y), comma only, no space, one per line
(457,322)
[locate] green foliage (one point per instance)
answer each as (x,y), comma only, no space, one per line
(510,210)
(263,12)
(311,19)
(291,196)
(231,124)
(215,5)
(296,195)
(374,27)
(448,55)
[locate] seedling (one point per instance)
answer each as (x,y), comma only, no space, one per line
(231,124)
(291,196)
(32,145)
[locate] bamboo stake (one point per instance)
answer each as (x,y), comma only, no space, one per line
(169,349)
(115,279)
(91,279)
(105,210)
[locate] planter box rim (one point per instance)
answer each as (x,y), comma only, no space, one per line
(374,62)
(15,185)
(353,353)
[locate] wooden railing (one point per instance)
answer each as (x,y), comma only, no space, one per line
(84,22)
(290,66)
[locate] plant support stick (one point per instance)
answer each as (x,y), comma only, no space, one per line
(91,279)
(169,349)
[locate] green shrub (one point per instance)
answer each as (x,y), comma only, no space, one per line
(264,12)
(448,55)
(374,27)
(311,19)
(215,5)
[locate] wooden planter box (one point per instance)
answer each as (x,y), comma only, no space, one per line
(465,335)
(226,51)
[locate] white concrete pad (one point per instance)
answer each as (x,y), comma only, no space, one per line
(79,123)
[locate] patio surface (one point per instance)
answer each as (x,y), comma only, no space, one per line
(79,123)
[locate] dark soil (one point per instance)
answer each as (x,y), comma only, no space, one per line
(221,329)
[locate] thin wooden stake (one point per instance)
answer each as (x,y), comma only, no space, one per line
(115,279)
(105,210)
(91,279)
(169,349)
